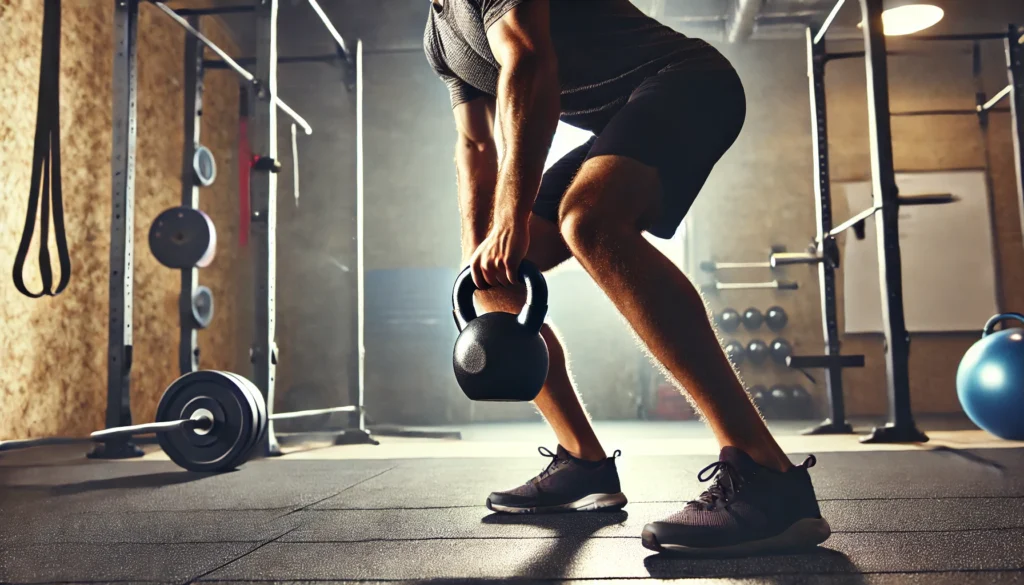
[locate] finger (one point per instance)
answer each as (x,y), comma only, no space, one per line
(478,274)
(512,272)
(500,274)
(491,274)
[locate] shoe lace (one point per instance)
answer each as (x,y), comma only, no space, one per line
(553,466)
(727,481)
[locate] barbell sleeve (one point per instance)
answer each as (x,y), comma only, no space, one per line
(202,422)
(316,412)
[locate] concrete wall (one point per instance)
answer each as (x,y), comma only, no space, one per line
(761,195)
(54,373)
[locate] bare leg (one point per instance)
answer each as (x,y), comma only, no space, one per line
(602,217)
(557,401)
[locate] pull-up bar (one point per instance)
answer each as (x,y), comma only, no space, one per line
(241,71)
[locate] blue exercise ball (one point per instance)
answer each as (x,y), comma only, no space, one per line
(990,380)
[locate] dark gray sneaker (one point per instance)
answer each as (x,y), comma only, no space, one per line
(748,509)
(567,484)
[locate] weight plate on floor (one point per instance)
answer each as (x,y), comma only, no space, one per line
(183,237)
(202,307)
(261,406)
(227,443)
(259,418)
(204,167)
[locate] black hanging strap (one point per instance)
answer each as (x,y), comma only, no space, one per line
(46,169)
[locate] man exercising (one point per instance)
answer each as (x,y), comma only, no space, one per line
(663,108)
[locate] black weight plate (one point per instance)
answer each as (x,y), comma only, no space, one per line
(258,417)
(261,406)
(202,307)
(183,237)
(204,167)
(225,445)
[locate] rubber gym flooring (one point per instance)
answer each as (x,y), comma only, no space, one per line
(410,510)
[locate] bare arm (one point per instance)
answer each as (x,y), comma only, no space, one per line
(476,165)
(528,105)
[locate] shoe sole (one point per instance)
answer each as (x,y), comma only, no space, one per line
(591,503)
(803,534)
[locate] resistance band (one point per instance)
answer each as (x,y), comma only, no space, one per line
(46,169)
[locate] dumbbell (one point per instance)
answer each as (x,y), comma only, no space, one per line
(779,398)
(752,319)
(803,404)
(759,394)
(728,320)
(776,318)
(780,350)
(736,352)
(757,351)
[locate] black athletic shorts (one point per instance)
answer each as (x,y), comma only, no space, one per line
(678,121)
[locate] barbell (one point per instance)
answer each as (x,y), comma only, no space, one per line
(207,421)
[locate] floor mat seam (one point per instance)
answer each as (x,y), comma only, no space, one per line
(240,557)
(334,495)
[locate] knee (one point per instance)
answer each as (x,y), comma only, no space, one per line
(586,229)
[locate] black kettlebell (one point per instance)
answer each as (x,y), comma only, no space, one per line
(501,357)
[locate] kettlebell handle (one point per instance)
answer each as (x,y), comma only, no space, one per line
(990,327)
(533,313)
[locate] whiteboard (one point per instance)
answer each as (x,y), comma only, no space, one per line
(949,277)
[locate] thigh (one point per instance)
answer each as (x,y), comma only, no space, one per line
(557,179)
(679,123)
(612,192)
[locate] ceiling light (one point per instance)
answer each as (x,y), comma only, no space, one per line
(905,18)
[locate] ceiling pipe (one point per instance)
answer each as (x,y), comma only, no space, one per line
(740,26)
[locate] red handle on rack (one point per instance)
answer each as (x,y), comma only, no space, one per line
(245,162)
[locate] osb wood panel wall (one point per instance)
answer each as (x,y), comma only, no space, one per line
(54,374)
(770,202)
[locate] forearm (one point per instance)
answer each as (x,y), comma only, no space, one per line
(476,166)
(529,106)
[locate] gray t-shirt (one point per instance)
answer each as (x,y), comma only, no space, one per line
(605,49)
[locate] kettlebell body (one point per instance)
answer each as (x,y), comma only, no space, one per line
(501,357)
(990,380)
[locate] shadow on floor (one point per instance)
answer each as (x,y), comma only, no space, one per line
(767,569)
(151,480)
(989,464)
(569,533)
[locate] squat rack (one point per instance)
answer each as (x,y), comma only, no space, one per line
(263,106)
(887,201)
